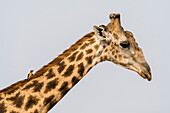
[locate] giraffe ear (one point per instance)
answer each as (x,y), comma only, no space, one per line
(99,32)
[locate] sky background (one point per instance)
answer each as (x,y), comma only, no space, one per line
(34,32)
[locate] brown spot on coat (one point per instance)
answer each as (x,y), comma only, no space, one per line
(17,100)
(51,85)
(89,59)
(69,71)
(101,59)
(31,102)
(106,50)
(92,40)
(64,89)
(61,67)
(38,87)
(36,111)
(115,44)
(3,108)
(64,85)
(84,46)
(73,56)
(113,52)
(96,47)
(50,74)
(81,69)
(74,80)
(51,104)
(80,56)
(108,43)
(89,51)
(48,100)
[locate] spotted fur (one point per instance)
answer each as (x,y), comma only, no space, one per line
(50,74)
(51,85)
(69,71)
(74,80)
(81,69)
(2,107)
(61,67)
(48,99)
(89,59)
(80,56)
(17,100)
(89,51)
(64,88)
(32,101)
(73,56)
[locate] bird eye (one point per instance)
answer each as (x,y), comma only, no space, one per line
(125,44)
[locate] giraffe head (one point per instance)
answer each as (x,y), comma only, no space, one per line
(119,46)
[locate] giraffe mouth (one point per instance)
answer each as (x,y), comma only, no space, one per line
(146,76)
(146,73)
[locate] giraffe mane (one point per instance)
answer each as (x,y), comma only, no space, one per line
(52,63)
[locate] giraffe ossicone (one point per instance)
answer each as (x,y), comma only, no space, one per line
(42,90)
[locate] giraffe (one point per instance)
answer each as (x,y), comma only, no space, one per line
(40,92)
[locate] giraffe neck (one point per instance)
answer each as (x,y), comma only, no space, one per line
(72,66)
(48,85)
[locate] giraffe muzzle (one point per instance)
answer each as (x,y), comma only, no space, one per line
(146,72)
(146,76)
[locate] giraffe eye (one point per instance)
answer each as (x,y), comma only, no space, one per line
(125,44)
